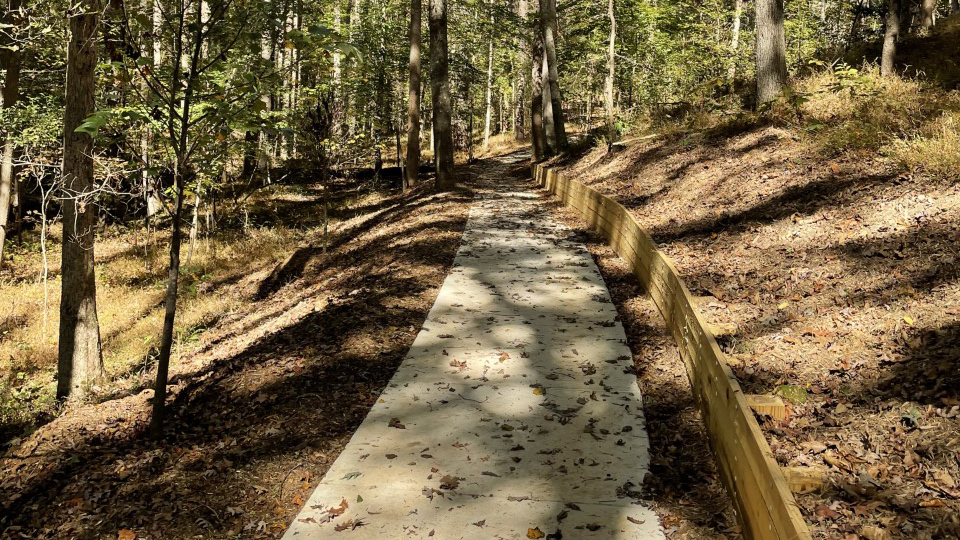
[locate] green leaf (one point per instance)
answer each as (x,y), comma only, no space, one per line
(92,124)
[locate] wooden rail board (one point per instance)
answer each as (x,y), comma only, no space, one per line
(761,495)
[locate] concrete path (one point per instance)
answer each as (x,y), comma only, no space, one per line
(514,414)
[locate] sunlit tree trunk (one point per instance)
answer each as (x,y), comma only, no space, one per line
(771,51)
(735,39)
(79,356)
(538,136)
(928,16)
(891,34)
(611,72)
(10,59)
(520,80)
(489,114)
(440,93)
(548,18)
(548,125)
(413,97)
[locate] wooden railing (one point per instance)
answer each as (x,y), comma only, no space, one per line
(764,504)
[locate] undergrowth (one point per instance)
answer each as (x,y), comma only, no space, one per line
(130,292)
(841,109)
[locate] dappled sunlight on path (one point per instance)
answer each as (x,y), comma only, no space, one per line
(516,413)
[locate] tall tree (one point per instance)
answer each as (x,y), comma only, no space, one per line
(538,134)
(928,14)
(520,81)
(10,63)
(489,113)
(548,21)
(440,94)
(735,39)
(771,51)
(79,357)
(611,72)
(891,34)
(413,97)
(549,128)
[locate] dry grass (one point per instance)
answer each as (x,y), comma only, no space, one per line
(130,290)
(935,150)
(905,119)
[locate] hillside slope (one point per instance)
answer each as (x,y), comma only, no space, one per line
(840,272)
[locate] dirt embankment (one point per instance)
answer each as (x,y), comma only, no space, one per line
(841,275)
(264,402)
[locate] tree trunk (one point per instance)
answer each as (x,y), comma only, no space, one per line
(538,136)
(440,93)
(771,51)
(489,114)
(611,71)
(521,80)
(954,7)
(413,98)
(11,93)
(194,225)
(548,20)
(891,34)
(928,14)
(735,40)
(178,127)
(548,125)
(79,357)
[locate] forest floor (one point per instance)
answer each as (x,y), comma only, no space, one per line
(264,395)
(840,271)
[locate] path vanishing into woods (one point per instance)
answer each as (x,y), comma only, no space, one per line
(515,413)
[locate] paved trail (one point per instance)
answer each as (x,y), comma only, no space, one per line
(512,416)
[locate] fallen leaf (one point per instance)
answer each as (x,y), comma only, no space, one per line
(126,534)
(340,509)
(480,523)
(825,511)
(449,482)
(395,423)
(535,533)
(352,524)
(635,521)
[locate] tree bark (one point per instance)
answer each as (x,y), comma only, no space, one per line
(80,361)
(611,72)
(928,14)
(548,125)
(440,93)
(771,51)
(11,93)
(548,20)
(489,114)
(520,80)
(735,40)
(413,97)
(538,135)
(891,34)
(954,7)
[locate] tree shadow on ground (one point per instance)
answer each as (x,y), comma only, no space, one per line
(244,430)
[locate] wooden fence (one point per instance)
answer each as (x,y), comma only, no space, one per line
(763,501)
